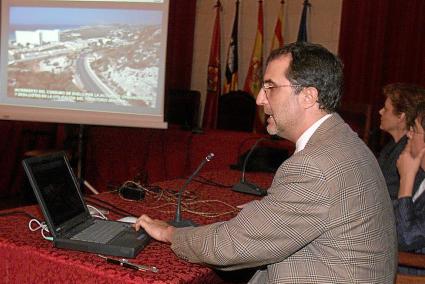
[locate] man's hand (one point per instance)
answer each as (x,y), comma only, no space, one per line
(157,229)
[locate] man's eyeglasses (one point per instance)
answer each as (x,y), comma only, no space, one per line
(268,88)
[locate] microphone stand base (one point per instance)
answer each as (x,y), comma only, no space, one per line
(182,223)
(249,188)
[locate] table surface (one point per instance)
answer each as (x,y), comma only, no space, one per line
(25,257)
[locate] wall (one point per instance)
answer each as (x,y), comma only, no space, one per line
(323,27)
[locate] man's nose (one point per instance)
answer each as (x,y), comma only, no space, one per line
(261,97)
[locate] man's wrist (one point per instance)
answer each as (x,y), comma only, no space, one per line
(168,234)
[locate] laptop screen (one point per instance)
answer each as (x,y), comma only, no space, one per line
(57,188)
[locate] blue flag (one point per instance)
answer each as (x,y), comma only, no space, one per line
(302,32)
(231,75)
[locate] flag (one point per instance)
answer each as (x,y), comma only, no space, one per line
(213,77)
(231,75)
(277,40)
(253,79)
(302,31)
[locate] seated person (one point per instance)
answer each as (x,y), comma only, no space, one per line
(399,105)
(410,207)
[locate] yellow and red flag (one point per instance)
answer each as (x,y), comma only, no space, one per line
(255,71)
(277,40)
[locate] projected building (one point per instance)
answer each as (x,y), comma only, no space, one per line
(37,37)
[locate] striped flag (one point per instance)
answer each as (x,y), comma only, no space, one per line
(302,31)
(255,70)
(213,78)
(231,75)
(277,40)
(253,78)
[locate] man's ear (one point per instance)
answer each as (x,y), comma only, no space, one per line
(309,96)
(402,116)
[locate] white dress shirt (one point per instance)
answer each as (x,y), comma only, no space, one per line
(419,191)
(302,141)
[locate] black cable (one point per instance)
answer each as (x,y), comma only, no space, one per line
(111,208)
(145,158)
(18,212)
(164,156)
(187,158)
(211,182)
(247,157)
(241,144)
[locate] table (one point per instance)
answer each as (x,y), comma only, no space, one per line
(25,257)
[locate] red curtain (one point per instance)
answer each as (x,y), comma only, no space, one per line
(181,29)
(381,42)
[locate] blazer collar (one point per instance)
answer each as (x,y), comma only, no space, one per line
(324,128)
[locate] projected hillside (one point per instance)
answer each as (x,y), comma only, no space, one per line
(112,58)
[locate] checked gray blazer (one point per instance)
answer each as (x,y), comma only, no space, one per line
(327,218)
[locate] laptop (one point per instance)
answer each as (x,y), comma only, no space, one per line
(67,216)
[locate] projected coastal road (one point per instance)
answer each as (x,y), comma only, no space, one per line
(113,58)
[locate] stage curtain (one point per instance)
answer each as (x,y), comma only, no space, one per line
(381,42)
(181,29)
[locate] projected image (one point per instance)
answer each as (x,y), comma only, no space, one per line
(84,55)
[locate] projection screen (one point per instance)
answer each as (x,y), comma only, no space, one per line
(96,62)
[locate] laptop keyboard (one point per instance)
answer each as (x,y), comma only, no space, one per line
(100,232)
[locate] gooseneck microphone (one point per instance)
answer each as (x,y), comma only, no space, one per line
(178,222)
(247,187)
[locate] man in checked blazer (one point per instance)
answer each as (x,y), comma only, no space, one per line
(327,217)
